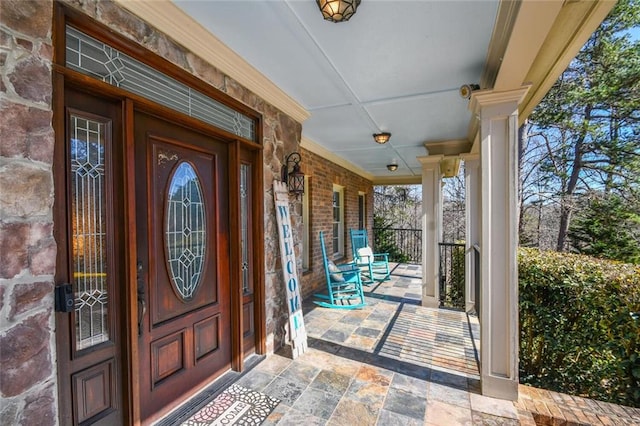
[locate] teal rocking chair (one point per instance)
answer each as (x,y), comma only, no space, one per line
(344,287)
(374,265)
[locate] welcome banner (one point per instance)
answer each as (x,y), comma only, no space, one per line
(297,333)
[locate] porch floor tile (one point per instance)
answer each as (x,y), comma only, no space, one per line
(395,362)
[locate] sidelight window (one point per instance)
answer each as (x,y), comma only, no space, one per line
(89,229)
(245,227)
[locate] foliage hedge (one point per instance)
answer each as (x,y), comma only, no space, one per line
(384,240)
(580,325)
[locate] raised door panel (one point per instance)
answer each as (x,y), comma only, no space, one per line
(94,391)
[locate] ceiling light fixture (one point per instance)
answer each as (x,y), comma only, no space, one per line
(338,10)
(467,89)
(382,137)
(392,167)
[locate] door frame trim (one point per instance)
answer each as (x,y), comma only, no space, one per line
(63,15)
(131,245)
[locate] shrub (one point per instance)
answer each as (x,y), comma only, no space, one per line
(385,242)
(580,325)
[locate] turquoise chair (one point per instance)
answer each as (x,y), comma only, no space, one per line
(344,287)
(374,265)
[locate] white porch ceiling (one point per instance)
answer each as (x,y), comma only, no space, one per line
(396,66)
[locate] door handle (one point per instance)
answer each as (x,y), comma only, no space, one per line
(142,303)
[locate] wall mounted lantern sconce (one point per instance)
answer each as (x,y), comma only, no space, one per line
(293,177)
(338,10)
(382,138)
(392,167)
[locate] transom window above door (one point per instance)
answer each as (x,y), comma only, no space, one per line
(91,57)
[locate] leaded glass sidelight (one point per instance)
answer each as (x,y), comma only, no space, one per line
(89,230)
(245,173)
(185,230)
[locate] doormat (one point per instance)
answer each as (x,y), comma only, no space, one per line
(235,406)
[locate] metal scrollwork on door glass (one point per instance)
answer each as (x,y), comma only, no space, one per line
(245,172)
(87,159)
(185,231)
(96,59)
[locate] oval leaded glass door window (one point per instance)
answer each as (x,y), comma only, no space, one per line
(185,230)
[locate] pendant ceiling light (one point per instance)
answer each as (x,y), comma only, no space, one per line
(382,138)
(338,10)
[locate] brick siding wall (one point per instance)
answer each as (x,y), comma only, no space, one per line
(323,174)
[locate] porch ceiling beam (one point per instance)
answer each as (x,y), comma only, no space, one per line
(532,24)
(449,147)
(545,37)
(397,180)
(572,28)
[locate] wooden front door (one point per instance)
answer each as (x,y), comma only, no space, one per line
(182,225)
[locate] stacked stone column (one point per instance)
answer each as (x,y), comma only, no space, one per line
(27,248)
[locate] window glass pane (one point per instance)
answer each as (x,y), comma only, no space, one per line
(185,230)
(305,225)
(361,204)
(337,225)
(88,230)
(98,60)
(245,173)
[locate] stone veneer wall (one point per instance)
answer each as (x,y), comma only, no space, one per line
(27,352)
(27,342)
(323,174)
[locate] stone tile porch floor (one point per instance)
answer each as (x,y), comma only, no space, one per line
(394,362)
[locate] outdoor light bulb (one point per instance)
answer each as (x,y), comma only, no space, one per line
(382,138)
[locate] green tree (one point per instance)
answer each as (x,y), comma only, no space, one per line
(607,228)
(587,128)
(400,206)
(384,239)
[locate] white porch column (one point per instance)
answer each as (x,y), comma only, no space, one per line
(472,208)
(498,113)
(431,231)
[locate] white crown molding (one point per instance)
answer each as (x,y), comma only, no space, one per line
(429,161)
(174,22)
(484,98)
(314,147)
(447,147)
(470,156)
